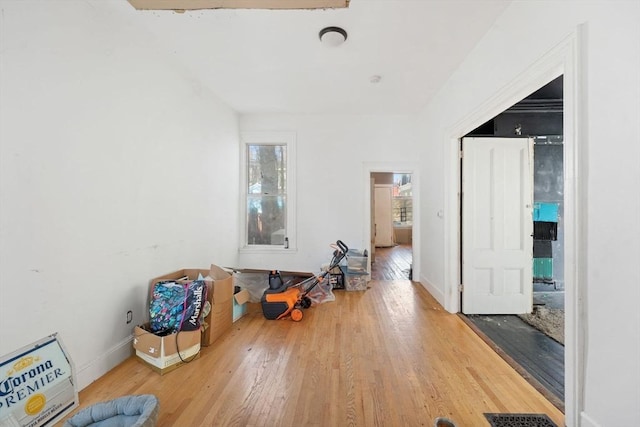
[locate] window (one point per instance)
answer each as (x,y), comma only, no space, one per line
(268,188)
(402,199)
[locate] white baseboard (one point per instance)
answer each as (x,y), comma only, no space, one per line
(587,421)
(435,292)
(108,360)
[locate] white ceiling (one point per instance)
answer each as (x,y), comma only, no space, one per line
(271,61)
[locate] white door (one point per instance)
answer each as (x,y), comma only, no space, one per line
(383,215)
(497,225)
(372,217)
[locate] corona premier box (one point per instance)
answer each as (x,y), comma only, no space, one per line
(37,384)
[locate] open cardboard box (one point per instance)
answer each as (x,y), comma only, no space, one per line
(160,353)
(240,300)
(219,294)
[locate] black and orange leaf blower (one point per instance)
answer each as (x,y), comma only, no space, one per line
(281,300)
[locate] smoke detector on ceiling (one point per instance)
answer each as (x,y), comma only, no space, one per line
(332,36)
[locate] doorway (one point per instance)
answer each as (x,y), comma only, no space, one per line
(392,228)
(531,337)
(539,117)
(564,59)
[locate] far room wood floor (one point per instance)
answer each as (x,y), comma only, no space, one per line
(387,356)
(392,263)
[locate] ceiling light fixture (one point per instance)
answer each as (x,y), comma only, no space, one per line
(333,36)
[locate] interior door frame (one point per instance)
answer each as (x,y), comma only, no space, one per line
(567,59)
(393,167)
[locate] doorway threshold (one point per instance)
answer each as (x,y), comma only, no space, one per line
(538,358)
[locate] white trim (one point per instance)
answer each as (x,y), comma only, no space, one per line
(565,59)
(396,167)
(587,421)
(280,138)
(433,290)
(576,192)
(105,362)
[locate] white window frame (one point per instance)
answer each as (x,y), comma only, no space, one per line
(276,138)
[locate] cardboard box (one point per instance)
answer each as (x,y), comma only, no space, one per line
(220,319)
(222,285)
(190,273)
(172,362)
(160,353)
(240,300)
(219,295)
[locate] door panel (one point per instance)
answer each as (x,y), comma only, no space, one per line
(383,215)
(372,254)
(497,225)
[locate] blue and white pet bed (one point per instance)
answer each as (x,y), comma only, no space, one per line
(128,411)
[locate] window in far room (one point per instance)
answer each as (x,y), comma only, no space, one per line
(402,199)
(268,188)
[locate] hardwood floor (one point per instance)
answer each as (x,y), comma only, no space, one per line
(387,356)
(538,358)
(392,263)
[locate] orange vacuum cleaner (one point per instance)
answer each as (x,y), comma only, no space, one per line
(281,300)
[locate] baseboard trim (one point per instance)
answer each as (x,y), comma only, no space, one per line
(435,292)
(108,360)
(587,421)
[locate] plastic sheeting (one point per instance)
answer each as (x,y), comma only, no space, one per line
(257,282)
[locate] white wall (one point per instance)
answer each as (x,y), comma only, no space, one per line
(114,169)
(333,151)
(608,169)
